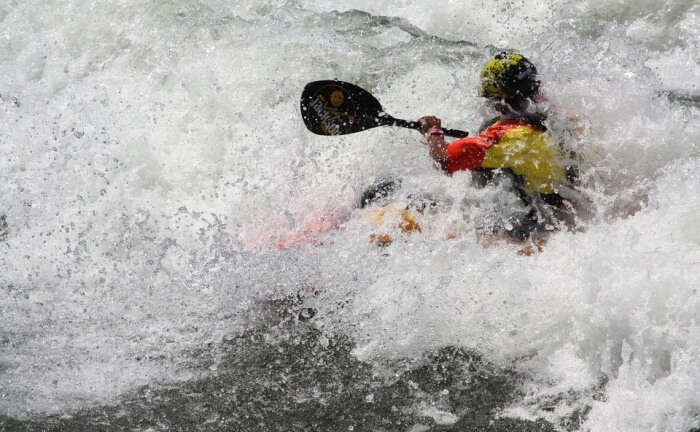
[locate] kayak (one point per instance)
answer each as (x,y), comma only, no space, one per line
(392,215)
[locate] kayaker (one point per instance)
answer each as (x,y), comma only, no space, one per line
(513,147)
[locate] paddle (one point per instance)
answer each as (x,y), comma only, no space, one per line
(339,108)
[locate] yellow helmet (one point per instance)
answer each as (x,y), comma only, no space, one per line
(509,76)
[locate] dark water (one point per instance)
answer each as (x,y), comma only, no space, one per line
(287,376)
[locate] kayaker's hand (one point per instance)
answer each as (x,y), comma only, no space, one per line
(428,122)
(431,128)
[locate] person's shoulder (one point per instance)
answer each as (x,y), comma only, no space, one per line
(490,122)
(536,119)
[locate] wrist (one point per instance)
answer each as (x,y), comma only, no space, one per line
(436,131)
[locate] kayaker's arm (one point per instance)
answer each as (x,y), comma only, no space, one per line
(431,129)
(463,154)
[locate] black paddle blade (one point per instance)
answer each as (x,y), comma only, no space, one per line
(338,108)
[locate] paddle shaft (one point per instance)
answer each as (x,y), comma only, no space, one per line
(391,121)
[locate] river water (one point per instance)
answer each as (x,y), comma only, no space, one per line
(154,158)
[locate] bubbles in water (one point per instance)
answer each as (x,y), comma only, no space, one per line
(155,160)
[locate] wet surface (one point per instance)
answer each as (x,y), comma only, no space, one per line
(291,377)
(139,223)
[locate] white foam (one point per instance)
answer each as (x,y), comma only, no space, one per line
(141,142)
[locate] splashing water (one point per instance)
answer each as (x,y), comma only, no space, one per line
(153,153)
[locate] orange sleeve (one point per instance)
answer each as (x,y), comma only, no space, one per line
(466,153)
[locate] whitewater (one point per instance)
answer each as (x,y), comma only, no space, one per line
(153,159)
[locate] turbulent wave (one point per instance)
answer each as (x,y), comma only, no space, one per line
(153,156)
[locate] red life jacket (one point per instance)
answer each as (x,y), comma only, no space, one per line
(515,144)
